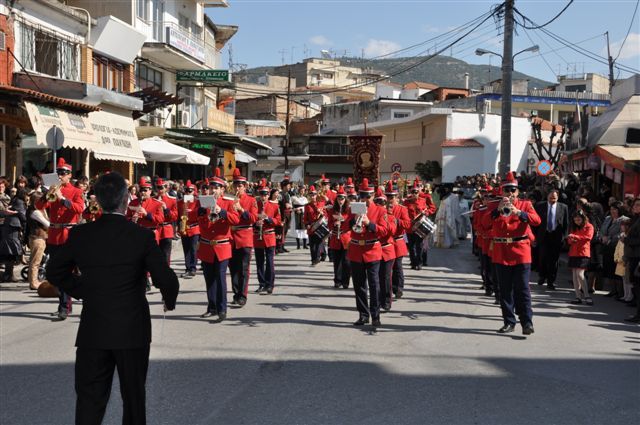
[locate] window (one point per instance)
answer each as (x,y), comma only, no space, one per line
(327,75)
(143,10)
(148,77)
(196,30)
(576,88)
(400,113)
(633,136)
(108,74)
(183,21)
(48,53)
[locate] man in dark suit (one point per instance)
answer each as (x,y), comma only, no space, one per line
(550,235)
(105,264)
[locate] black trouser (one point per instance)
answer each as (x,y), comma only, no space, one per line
(165,246)
(265,266)
(397,276)
(190,249)
(633,264)
(386,269)
(315,246)
(548,255)
(341,268)
(415,249)
(515,297)
(93,378)
(65,302)
(215,279)
(239,268)
(487,273)
(363,275)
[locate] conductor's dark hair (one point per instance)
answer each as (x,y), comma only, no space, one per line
(111,191)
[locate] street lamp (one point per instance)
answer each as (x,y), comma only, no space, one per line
(507,71)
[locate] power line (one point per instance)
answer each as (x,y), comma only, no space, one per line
(628,30)
(545,24)
(526,32)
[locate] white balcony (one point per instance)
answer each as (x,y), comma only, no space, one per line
(215,3)
(174,46)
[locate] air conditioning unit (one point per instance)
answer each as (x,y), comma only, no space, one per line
(185,119)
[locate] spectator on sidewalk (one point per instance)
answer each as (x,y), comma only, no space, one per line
(609,235)
(579,252)
(632,256)
(622,271)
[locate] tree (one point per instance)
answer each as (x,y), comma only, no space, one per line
(429,170)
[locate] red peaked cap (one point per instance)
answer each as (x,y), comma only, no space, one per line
(416,183)
(159,182)
(509,180)
(352,192)
(312,189)
(341,191)
(263,186)
(350,182)
(189,184)
(237,177)
(380,194)
(390,190)
(144,182)
(217,180)
(62,165)
(364,186)
(324,180)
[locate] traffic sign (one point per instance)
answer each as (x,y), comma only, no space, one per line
(544,168)
(203,75)
(396,167)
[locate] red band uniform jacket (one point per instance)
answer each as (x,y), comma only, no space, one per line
(345,229)
(312,212)
(272,210)
(154,216)
(170,215)
(365,247)
(514,226)
(242,233)
(62,213)
(215,238)
(190,209)
(580,241)
(387,240)
(403,224)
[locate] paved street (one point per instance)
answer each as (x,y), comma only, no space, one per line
(294,356)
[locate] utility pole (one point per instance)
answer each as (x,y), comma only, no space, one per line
(507,71)
(611,79)
(285,149)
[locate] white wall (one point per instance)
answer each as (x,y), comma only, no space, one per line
(461,162)
(386,91)
(486,130)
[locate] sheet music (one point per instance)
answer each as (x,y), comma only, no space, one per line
(187,198)
(50,179)
(207,201)
(358,207)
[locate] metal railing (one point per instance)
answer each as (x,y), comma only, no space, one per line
(552,93)
(174,35)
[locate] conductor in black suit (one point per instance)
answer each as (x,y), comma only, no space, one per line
(550,235)
(105,263)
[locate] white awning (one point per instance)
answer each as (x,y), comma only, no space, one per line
(159,150)
(117,134)
(244,157)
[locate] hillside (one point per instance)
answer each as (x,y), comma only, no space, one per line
(441,70)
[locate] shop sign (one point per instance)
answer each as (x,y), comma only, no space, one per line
(185,43)
(203,75)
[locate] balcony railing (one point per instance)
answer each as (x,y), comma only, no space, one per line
(176,36)
(551,93)
(323,148)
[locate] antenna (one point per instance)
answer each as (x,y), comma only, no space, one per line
(282,52)
(325,54)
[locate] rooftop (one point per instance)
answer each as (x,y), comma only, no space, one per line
(47,99)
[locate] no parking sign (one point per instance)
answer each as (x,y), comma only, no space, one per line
(544,168)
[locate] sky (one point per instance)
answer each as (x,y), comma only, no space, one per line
(273,32)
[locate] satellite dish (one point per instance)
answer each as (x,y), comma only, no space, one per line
(325,54)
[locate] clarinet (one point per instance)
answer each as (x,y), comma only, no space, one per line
(339,223)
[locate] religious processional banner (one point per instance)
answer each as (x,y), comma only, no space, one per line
(366,158)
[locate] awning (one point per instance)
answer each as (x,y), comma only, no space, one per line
(157,149)
(107,134)
(244,157)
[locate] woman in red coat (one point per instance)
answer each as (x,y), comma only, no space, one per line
(579,252)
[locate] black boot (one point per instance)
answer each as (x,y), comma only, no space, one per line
(304,241)
(298,243)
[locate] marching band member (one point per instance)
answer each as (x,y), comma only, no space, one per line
(65,205)
(214,247)
(93,211)
(242,235)
(286,209)
(339,239)
(388,253)
(146,211)
(189,228)
(365,254)
(415,206)
(170,215)
(325,190)
(352,195)
(314,211)
(348,187)
(264,238)
(403,222)
(512,255)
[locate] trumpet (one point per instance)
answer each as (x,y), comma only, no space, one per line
(214,216)
(358,227)
(94,208)
(51,194)
(507,210)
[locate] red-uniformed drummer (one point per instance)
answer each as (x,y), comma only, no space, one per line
(314,212)
(339,239)
(242,234)
(415,206)
(388,253)
(403,223)
(365,254)
(264,238)
(512,255)
(64,205)
(214,247)
(189,229)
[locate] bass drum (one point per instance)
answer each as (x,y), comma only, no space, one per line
(422,226)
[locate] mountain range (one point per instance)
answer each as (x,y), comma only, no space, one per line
(443,71)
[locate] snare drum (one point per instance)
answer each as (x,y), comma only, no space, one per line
(422,226)
(322,231)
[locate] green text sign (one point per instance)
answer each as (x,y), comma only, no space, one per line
(203,76)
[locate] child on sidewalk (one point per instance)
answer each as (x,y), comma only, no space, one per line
(579,252)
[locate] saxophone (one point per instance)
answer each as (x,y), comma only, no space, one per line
(182,226)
